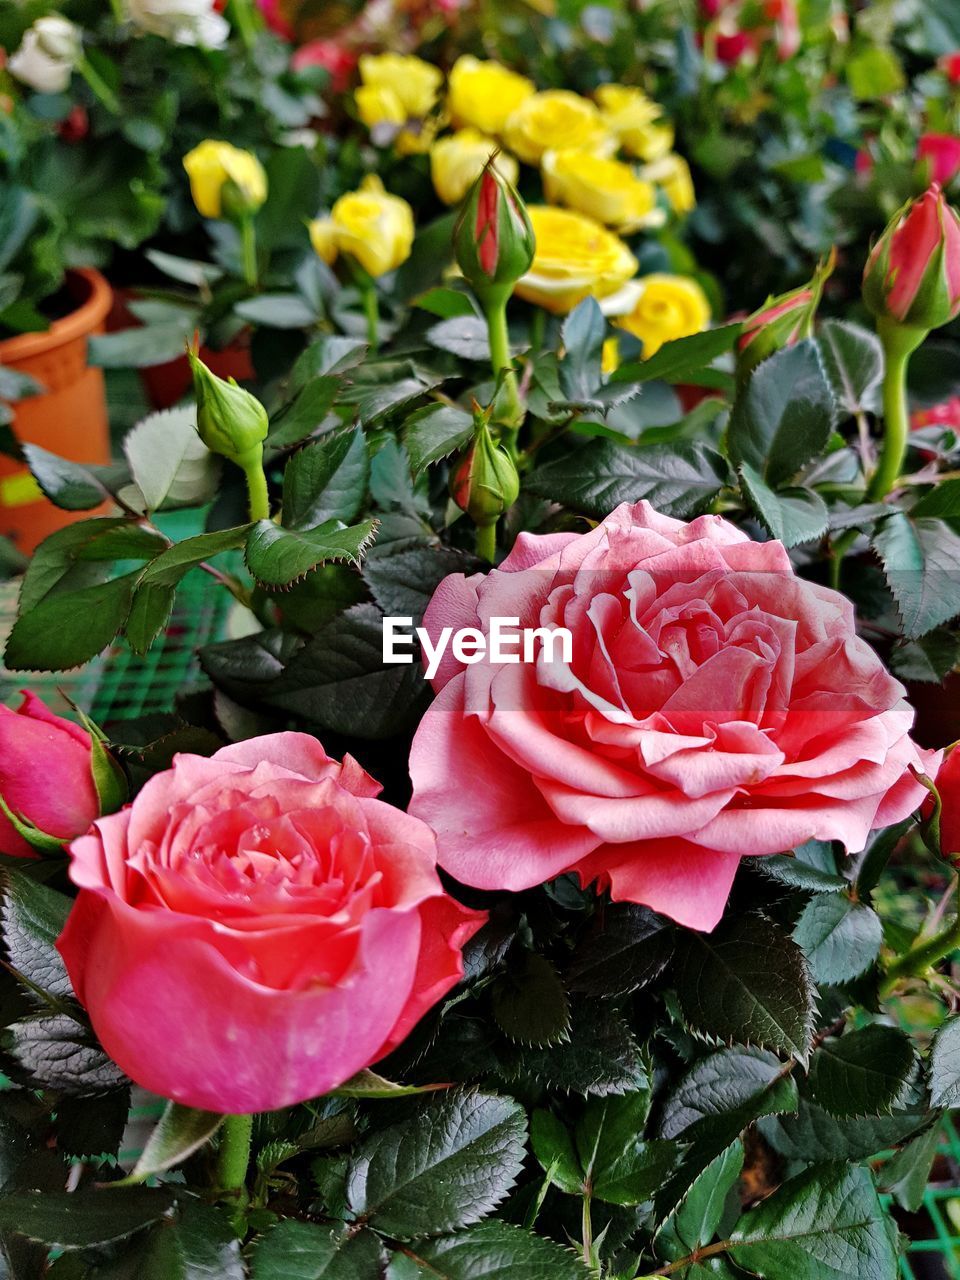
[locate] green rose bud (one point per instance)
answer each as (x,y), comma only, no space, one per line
(782,320)
(230,421)
(493,239)
(484,483)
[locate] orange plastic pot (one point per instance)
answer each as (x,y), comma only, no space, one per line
(69,417)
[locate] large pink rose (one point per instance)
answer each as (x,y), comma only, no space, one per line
(716,705)
(45,774)
(256,928)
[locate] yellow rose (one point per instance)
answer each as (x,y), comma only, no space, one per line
(414,83)
(456,161)
(371,225)
(211,165)
(418,138)
(576,258)
(661,308)
(607,190)
(555,118)
(610,355)
(483,94)
(377,105)
(635,120)
(672,175)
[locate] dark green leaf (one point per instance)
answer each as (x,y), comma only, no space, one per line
(33,919)
(696,1221)
(583,333)
(70,628)
(554,1147)
(929,659)
(277,557)
(278,311)
(784,415)
(149,614)
(529,1001)
(840,938)
(57,1052)
(464,336)
(169,462)
(601,1056)
(680,480)
(730,1081)
(628,950)
(676,361)
(403,577)
(907,1174)
(448,1166)
(747,981)
(499,1251)
(943,501)
(305,413)
(73,486)
(367,1084)
(853,359)
(619,1166)
(83,1219)
(864,1072)
(920,561)
(791,515)
(303,1251)
(811,867)
(177,1134)
(945,1065)
(434,432)
(326,481)
(446,303)
(814,1134)
(166,569)
(142,348)
(825,1223)
(92,1127)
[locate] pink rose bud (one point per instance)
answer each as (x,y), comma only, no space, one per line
(912,276)
(485,483)
(46,778)
(942,152)
(257,927)
(493,239)
(781,321)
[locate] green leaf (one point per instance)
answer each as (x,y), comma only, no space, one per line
(619,1166)
(403,577)
(929,659)
(178,1133)
(941,502)
(945,1065)
(628,950)
(449,1165)
(864,1072)
(582,333)
(877,855)
(278,311)
(676,361)
(747,981)
(167,569)
(277,557)
(446,303)
(529,1001)
(83,1219)
(840,938)
(92,1127)
(853,359)
(679,480)
(463,336)
(739,1080)
(499,1251)
(696,1221)
(367,1084)
(170,464)
(434,432)
(142,348)
(553,1145)
(908,1173)
(33,918)
(601,1057)
(149,614)
(70,628)
(874,72)
(920,559)
(784,415)
(326,481)
(825,1224)
(303,1251)
(791,515)
(58,1052)
(811,867)
(77,556)
(305,414)
(73,486)
(184,270)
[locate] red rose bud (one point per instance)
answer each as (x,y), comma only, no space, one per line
(942,152)
(484,483)
(493,239)
(948,786)
(781,321)
(76,126)
(912,276)
(949,64)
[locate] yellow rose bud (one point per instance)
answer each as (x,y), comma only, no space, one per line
(553,119)
(635,120)
(372,226)
(377,105)
(576,258)
(607,190)
(224,181)
(672,175)
(483,94)
(662,308)
(414,83)
(323,237)
(456,162)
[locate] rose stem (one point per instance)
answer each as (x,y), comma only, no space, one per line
(917,960)
(257,493)
(248,249)
(899,343)
(499,336)
(234,1159)
(487,542)
(371,311)
(245,22)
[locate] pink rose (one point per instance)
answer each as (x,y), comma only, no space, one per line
(943,152)
(256,928)
(716,706)
(334,58)
(45,774)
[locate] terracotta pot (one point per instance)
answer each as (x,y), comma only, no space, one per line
(69,417)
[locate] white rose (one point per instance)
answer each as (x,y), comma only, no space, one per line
(182,21)
(47,55)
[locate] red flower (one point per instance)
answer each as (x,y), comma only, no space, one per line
(949,64)
(948,785)
(913,273)
(943,152)
(333,57)
(76,126)
(946,414)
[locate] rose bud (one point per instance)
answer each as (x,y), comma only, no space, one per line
(484,483)
(948,788)
(76,126)
(50,804)
(493,239)
(942,152)
(781,321)
(257,927)
(225,182)
(949,64)
(912,276)
(230,421)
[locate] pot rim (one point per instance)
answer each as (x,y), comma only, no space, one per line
(80,323)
